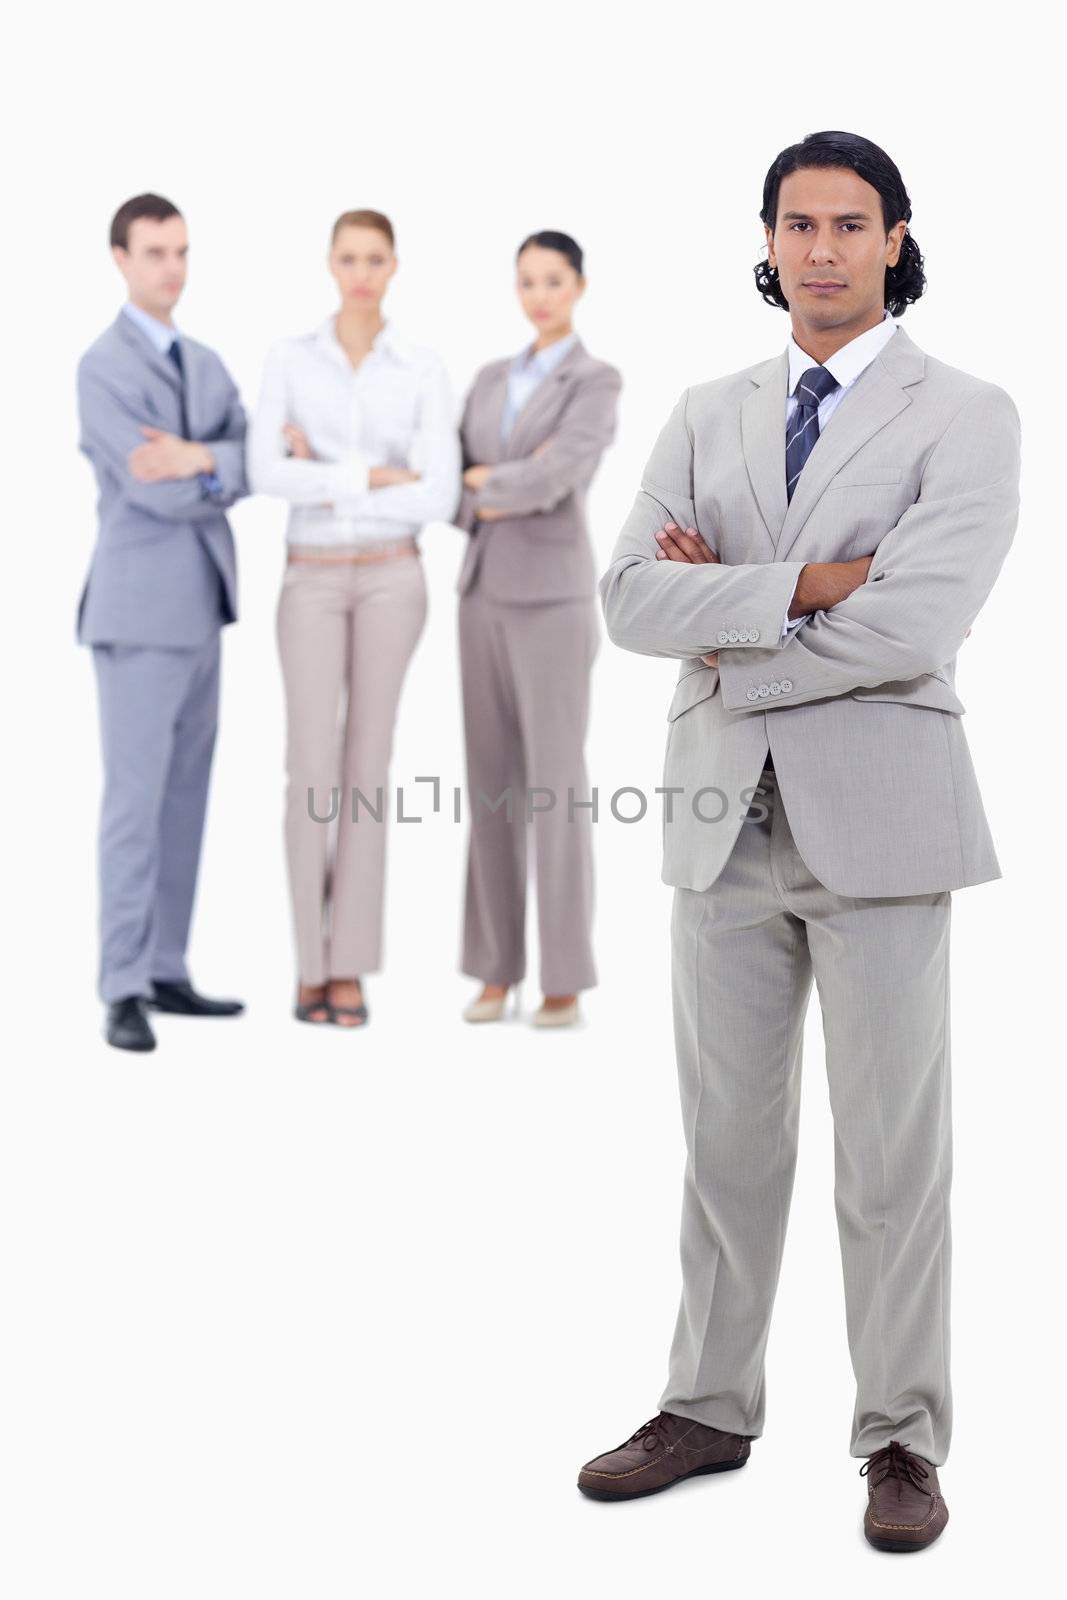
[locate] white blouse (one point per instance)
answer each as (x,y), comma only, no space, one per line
(396,409)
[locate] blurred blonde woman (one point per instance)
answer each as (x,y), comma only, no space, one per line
(534,428)
(355,429)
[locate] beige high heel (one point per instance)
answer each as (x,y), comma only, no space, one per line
(486,1010)
(555,1016)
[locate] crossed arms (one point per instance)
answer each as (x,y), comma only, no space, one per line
(539,481)
(927,580)
(282,461)
(176,480)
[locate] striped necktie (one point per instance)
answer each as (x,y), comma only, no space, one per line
(803,429)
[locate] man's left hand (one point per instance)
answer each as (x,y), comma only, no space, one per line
(686,544)
(167,456)
(683,544)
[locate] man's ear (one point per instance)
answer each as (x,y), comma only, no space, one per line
(900,243)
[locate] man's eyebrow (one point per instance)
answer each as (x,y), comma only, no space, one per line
(843,216)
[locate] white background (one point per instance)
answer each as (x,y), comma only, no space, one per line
(306,1315)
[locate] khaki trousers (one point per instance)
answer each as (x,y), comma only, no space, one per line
(525,675)
(744,953)
(346,632)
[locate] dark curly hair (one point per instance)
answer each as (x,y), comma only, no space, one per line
(904,283)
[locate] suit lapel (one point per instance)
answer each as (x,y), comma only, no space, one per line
(878,395)
(545,400)
(763,441)
(161,366)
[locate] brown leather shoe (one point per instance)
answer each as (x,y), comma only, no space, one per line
(905,1510)
(659,1454)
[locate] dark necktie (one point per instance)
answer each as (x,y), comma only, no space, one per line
(803,428)
(175,352)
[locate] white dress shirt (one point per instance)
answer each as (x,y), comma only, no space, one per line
(395,409)
(845,365)
(530,368)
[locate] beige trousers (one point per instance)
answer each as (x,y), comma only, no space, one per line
(346,632)
(525,672)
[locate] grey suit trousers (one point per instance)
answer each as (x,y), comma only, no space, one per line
(525,671)
(158,717)
(743,956)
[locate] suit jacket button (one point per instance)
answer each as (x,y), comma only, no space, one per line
(785,685)
(763,691)
(752,694)
(733,636)
(724,638)
(753,634)
(776,688)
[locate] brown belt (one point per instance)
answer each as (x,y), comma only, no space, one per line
(381,552)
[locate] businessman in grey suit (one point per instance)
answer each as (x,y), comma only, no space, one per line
(813,537)
(163,427)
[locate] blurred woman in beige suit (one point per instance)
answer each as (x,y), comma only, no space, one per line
(356,429)
(534,428)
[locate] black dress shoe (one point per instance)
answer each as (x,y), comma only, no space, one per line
(182,999)
(127,1026)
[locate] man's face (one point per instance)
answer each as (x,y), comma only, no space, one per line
(154,264)
(830,247)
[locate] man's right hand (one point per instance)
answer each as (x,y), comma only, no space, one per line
(823,584)
(386,477)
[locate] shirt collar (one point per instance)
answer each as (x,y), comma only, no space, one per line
(847,363)
(161,334)
(546,360)
(388,340)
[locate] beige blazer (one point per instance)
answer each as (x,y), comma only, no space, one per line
(541,550)
(919,467)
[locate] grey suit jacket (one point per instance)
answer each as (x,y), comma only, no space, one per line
(919,467)
(163,571)
(541,550)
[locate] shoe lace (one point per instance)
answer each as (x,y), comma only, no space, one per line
(894,1460)
(653,1433)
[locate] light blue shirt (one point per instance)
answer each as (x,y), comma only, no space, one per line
(529,369)
(162,334)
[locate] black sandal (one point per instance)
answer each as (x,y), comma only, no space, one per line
(349,1011)
(302,1012)
(359,1013)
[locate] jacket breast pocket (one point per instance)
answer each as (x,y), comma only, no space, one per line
(864,503)
(865,477)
